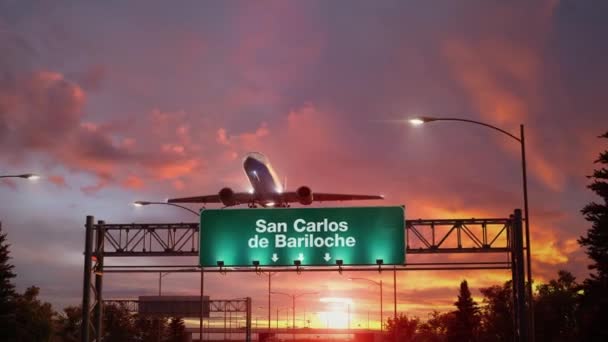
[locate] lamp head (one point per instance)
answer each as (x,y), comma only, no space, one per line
(29,176)
(140,203)
(417,121)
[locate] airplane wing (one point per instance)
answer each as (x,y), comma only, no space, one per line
(322,197)
(239,197)
(196,199)
(326,197)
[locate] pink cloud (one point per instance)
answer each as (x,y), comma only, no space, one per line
(58,180)
(133,182)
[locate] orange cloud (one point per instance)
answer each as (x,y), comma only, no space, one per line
(244,142)
(58,180)
(488,72)
(133,182)
(177,169)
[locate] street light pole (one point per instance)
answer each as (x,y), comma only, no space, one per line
(270,274)
(293,304)
(381,308)
(522,143)
(202,283)
(30,176)
(160,283)
(287,315)
(142,203)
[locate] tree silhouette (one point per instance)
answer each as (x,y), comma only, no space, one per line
(465,326)
(556,309)
(402,328)
(435,328)
(118,324)
(34,319)
(68,324)
(594,307)
(176,330)
(497,314)
(150,329)
(7,289)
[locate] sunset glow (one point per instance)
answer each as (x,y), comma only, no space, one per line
(337,312)
(105,105)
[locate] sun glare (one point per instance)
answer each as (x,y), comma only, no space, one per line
(336,313)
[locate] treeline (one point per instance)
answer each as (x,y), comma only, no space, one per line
(557,309)
(119,324)
(24,318)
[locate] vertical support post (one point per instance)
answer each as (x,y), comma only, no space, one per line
(86,283)
(99,249)
(395,292)
(293,318)
(248,323)
(225,316)
(395,297)
(348,313)
(381,309)
(512,246)
(200,328)
(269,276)
(519,281)
(527,221)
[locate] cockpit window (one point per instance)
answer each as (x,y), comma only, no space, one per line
(257,156)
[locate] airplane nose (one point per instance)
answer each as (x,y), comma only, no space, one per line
(248,162)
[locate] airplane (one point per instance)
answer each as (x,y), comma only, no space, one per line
(267,191)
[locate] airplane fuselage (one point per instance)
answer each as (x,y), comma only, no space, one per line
(266,187)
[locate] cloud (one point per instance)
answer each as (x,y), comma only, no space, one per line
(42,112)
(39,109)
(58,180)
(91,78)
(133,182)
(503,75)
(247,141)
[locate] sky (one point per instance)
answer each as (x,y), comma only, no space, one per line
(113,102)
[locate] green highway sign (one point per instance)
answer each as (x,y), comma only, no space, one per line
(314,236)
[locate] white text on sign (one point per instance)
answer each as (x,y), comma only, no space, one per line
(308,240)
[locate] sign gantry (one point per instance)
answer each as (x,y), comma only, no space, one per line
(417,237)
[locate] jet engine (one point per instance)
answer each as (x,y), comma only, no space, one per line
(227,197)
(304,194)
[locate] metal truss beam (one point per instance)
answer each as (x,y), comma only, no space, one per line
(424,236)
